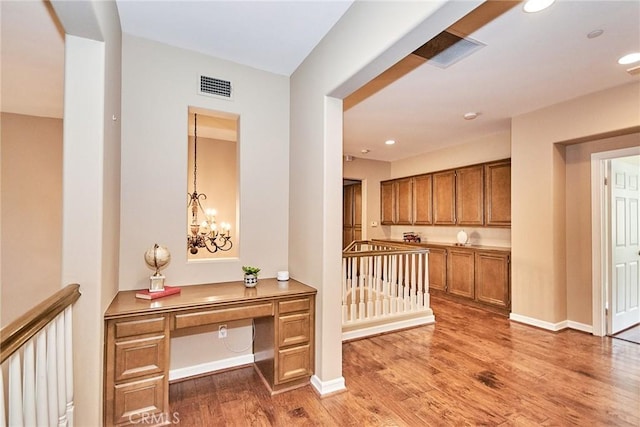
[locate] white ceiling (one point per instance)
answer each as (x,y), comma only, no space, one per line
(273,36)
(530,61)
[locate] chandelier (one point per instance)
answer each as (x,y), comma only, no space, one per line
(204,234)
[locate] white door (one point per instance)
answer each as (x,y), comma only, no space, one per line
(624,292)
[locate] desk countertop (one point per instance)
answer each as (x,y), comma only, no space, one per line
(125,303)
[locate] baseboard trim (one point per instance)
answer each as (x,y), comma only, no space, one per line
(388,327)
(325,388)
(580,326)
(555,327)
(209,367)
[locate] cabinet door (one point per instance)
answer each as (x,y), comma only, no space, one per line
(492,278)
(470,195)
(460,273)
(387,202)
(497,194)
(422,197)
(438,269)
(444,197)
(404,189)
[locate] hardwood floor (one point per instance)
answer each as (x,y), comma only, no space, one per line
(631,334)
(470,368)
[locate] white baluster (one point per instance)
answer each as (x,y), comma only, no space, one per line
(427,303)
(61,362)
(42,408)
(361,285)
(344,289)
(68,342)
(352,265)
(3,419)
(52,373)
(15,391)
(29,385)
(379,295)
(370,280)
(393,283)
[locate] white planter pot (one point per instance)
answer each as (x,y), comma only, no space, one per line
(250,280)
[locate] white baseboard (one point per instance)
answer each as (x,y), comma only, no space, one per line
(388,327)
(551,326)
(580,326)
(204,368)
(328,387)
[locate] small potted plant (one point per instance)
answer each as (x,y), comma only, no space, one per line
(250,276)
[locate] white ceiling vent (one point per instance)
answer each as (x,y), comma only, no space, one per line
(218,88)
(447,48)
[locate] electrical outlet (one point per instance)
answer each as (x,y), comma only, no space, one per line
(222,331)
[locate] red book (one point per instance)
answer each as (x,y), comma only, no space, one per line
(168,290)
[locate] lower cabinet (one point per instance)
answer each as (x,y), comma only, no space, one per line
(460,273)
(492,278)
(481,277)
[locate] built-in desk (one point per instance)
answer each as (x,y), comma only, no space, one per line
(138,331)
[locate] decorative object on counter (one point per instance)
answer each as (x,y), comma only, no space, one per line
(157,258)
(282,276)
(206,234)
(462,238)
(168,290)
(250,276)
(411,236)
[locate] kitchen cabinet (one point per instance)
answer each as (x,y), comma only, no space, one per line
(387,203)
(422,200)
(492,278)
(497,194)
(444,198)
(437,269)
(470,195)
(396,202)
(461,272)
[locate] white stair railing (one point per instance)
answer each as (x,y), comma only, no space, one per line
(38,349)
(384,282)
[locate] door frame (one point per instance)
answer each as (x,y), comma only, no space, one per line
(600,228)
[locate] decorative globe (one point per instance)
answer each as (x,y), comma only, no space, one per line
(157,257)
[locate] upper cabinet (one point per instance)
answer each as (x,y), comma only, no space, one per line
(469,195)
(444,198)
(396,202)
(497,194)
(422,200)
(475,195)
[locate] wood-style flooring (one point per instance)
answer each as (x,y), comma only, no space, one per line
(632,334)
(470,368)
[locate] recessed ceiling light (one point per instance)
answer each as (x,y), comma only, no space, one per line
(390,141)
(364,150)
(595,33)
(470,115)
(533,6)
(629,59)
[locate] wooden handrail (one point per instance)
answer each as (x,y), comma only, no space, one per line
(398,249)
(21,330)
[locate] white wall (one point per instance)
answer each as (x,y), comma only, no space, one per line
(369,38)
(159,84)
(91,185)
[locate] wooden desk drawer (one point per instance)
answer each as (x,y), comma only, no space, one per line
(139,327)
(302,304)
(293,329)
(199,318)
(294,363)
(139,357)
(138,399)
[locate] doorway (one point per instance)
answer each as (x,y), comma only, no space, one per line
(615,250)
(352,211)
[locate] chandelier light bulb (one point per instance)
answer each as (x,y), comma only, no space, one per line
(629,59)
(533,6)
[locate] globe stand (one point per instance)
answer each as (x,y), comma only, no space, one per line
(156,282)
(157,258)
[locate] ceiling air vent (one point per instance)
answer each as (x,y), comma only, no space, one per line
(211,86)
(447,48)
